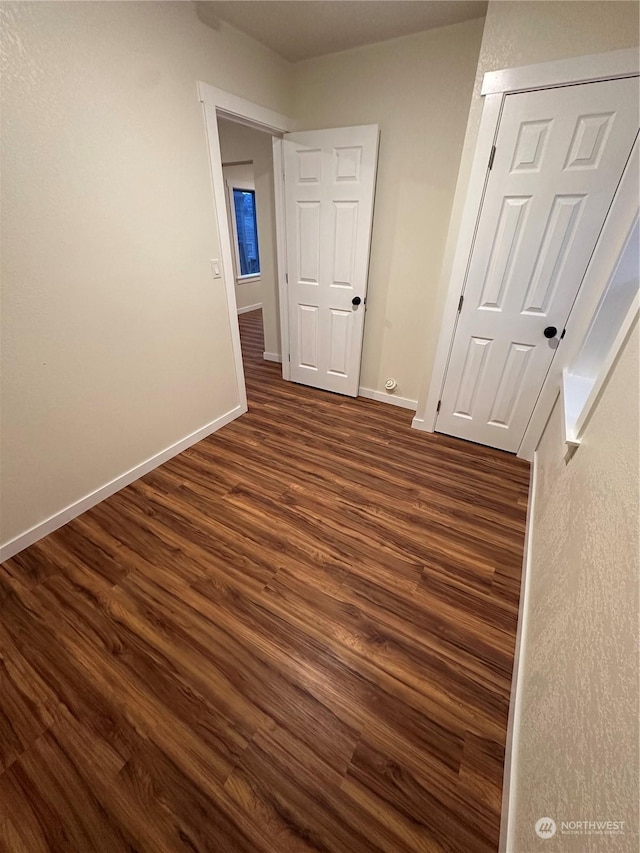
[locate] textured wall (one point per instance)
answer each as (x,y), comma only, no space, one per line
(115,337)
(418,90)
(238,142)
(519,32)
(577,757)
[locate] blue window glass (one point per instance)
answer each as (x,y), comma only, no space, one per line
(244,202)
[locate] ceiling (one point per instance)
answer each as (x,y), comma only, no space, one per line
(302,29)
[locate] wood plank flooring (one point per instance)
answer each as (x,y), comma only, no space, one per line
(297,635)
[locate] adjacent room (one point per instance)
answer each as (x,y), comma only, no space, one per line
(319,443)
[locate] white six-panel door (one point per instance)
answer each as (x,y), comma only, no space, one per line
(329,189)
(558,158)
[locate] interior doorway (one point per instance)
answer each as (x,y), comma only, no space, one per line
(218,104)
(323,224)
(247,167)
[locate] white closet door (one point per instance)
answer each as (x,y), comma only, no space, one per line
(558,159)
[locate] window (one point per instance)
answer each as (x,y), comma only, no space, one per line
(244,205)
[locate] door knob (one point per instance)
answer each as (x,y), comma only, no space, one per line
(356,300)
(550,332)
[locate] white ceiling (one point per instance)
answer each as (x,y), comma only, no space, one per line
(302,29)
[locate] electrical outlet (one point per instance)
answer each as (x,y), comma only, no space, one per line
(216,268)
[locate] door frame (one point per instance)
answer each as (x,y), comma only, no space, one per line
(281,246)
(495,87)
(217,103)
(281,254)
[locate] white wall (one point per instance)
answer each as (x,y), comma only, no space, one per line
(577,755)
(520,32)
(115,337)
(418,90)
(238,142)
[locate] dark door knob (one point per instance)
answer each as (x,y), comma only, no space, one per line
(356,300)
(550,332)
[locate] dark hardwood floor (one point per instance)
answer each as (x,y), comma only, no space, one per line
(296,635)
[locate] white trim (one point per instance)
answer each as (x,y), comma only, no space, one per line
(563,72)
(515,702)
(224,241)
(248,308)
(217,102)
(243,111)
(462,239)
(623,63)
(272,356)
(570,403)
(621,338)
(576,421)
(252,276)
(385,397)
(281,252)
(44,528)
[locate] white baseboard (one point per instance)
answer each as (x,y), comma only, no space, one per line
(384,397)
(419,423)
(515,702)
(272,356)
(19,543)
(248,308)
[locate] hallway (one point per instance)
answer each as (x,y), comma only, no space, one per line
(296,635)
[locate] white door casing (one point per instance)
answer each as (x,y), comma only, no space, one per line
(329,193)
(559,156)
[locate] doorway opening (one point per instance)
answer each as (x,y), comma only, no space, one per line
(246,155)
(220,105)
(322,244)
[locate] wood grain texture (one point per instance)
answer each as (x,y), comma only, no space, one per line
(296,635)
